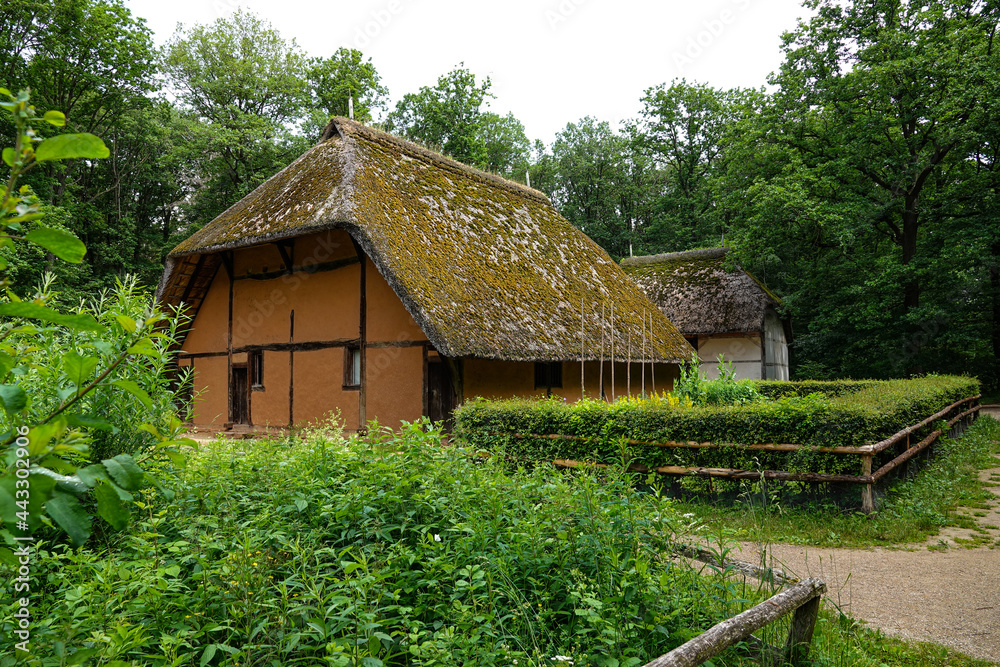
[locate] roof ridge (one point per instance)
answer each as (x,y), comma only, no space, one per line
(704,253)
(353,127)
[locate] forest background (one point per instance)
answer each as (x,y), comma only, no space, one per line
(859,182)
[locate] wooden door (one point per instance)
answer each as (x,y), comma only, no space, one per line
(239,396)
(440,391)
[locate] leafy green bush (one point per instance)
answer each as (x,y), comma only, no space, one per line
(391,550)
(694,387)
(59,367)
(133,396)
(875,411)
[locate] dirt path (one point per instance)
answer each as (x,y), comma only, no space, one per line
(939,591)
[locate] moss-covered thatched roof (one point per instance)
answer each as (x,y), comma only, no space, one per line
(697,292)
(485,266)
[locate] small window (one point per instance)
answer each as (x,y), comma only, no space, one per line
(255,362)
(548,375)
(352,367)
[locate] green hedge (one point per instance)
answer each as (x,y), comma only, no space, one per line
(874,411)
(778,389)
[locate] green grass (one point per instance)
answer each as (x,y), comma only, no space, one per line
(912,510)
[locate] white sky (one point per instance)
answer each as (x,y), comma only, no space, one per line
(551,62)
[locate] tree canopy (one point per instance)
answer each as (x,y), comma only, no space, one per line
(862,185)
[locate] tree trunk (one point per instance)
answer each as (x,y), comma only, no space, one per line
(911,291)
(995,293)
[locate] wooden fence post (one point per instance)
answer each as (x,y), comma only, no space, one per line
(801,632)
(867,491)
(739,628)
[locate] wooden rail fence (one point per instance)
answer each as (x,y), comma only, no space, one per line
(867,453)
(802,600)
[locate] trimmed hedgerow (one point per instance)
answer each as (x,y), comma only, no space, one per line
(871,413)
(778,388)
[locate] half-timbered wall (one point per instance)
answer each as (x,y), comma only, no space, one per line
(303,306)
(294,312)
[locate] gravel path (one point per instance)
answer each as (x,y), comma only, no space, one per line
(949,596)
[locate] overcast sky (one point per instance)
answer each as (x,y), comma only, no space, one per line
(551,61)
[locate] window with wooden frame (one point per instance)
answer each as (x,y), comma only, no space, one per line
(352,367)
(255,366)
(548,375)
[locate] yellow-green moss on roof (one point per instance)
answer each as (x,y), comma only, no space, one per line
(485,266)
(699,294)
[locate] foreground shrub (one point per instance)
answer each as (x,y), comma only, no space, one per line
(59,367)
(392,550)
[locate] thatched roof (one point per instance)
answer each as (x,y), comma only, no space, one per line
(485,266)
(699,294)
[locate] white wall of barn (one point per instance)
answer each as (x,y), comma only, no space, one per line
(743,351)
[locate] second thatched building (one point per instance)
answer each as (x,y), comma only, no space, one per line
(719,308)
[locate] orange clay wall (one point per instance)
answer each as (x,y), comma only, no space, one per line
(312,315)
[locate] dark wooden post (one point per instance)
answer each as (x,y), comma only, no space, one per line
(801,633)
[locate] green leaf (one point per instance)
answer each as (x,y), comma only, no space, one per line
(125,471)
(207,655)
(7,557)
(57,118)
(133,388)
(92,474)
(40,489)
(145,347)
(81,656)
(33,311)
(127,323)
(71,146)
(79,368)
(109,505)
(69,514)
(90,421)
(167,493)
(7,362)
(70,484)
(41,435)
(64,245)
(13,398)
(8,156)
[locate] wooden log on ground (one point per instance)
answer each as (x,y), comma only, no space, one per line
(738,628)
(702,555)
